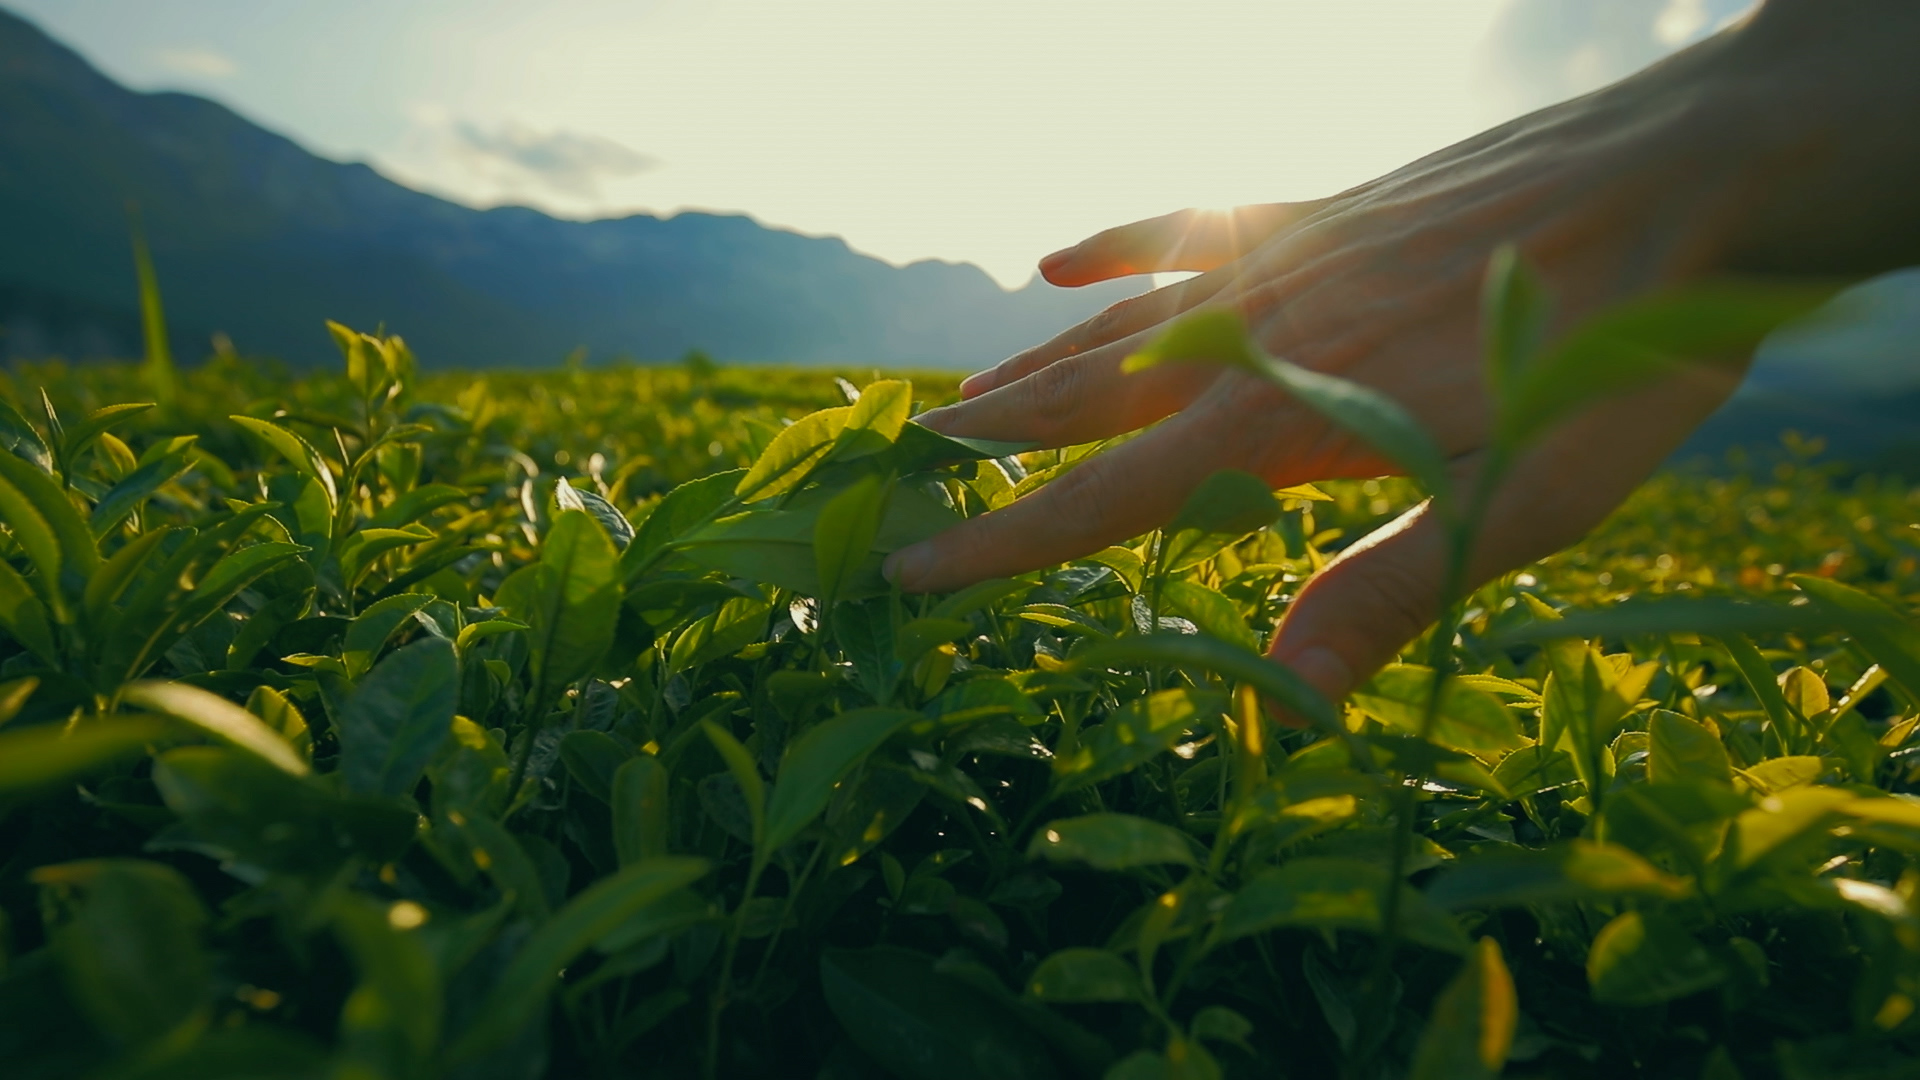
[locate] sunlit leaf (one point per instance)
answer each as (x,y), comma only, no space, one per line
(1576,870)
(1470,1031)
(1468,719)
(297,451)
(218,717)
(1891,640)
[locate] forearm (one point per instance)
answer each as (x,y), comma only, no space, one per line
(1822,102)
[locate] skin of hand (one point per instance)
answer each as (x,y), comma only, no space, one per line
(1784,145)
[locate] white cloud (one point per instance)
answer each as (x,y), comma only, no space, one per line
(560,171)
(565,162)
(197,61)
(1550,50)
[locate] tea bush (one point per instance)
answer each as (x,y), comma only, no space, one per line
(407,726)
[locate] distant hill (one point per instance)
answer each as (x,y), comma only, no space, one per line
(255,237)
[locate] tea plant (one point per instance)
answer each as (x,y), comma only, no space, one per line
(342,738)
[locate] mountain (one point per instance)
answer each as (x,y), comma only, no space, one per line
(257,238)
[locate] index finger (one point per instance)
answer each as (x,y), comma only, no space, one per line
(1114,496)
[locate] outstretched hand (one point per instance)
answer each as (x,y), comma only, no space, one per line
(1660,179)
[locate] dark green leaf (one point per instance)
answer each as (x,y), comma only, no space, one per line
(522,990)
(818,760)
(641,812)
(1112,842)
(398,718)
(1332,893)
(921,1025)
(593,758)
(1644,958)
(1075,976)
(130,947)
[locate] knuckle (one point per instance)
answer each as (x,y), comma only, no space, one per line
(1053,393)
(1113,321)
(1082,497)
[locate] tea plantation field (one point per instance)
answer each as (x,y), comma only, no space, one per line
(379,725)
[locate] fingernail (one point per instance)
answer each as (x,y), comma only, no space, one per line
(907,567)
(977,383)
(1055,260)
(1322,669)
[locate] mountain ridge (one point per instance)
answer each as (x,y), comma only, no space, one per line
(257,237)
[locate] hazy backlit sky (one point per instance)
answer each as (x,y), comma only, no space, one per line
(990,131)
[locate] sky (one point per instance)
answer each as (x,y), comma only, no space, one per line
(987,131)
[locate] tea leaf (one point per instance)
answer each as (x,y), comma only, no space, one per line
(48,755)
(297,451)
(1577,870)
(1683,749)
(1891,640)
(131,948)
(819,760)
(1076,976)
(619,529)
(793,453)
(1111,842)
(1468,719)
(522,990)
(1643,958)
(1332,893)
(570,598)
(218,717)
(641,822)
(747,775)
(593,759)
(922,1025)
(1471,1030)
(1276,682)
(398,718)
(845,531)
(24,617)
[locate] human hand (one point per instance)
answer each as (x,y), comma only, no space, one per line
(1648,184)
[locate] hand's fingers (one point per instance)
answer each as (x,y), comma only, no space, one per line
(1119,494)
(1358,612)
(1119,321)
(1196,240)
(1075,400)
